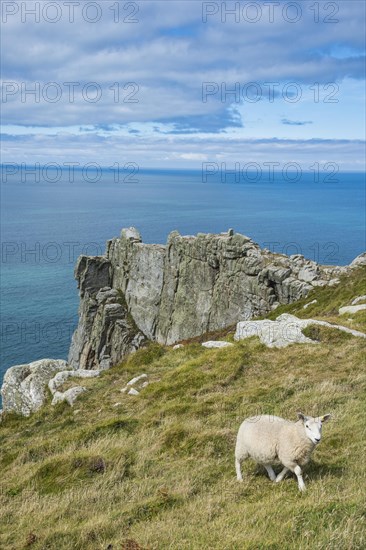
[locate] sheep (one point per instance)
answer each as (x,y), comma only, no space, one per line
(270,439)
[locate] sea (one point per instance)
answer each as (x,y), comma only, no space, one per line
(48,220)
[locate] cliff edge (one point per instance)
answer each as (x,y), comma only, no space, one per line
(140,292)
(190,286)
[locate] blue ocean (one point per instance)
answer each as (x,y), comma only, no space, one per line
(46,225)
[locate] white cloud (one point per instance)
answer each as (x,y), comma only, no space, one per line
(193,156)
(166,57)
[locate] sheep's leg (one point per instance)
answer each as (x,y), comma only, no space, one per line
(239,477)
(282,474)
(271,474)
(300,480)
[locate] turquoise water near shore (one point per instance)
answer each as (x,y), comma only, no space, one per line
(45,226)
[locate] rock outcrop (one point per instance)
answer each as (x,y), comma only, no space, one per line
(285,330)
(24,388)
(190,286)
(106,331)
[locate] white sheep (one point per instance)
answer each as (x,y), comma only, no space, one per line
(270,439)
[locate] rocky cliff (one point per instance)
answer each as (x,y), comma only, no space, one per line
(190,286)
(193,285)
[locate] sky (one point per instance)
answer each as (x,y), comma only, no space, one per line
(181,83)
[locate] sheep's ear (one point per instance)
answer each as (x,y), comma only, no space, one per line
(302,416)
(325,418)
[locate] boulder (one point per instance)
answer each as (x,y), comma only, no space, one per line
(24,388)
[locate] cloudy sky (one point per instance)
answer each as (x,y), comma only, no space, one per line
(172,84)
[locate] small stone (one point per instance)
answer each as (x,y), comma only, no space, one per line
(358,299)
(216,344)
(136,379)
(178,346)
(69,395)
(310,303)
(132,391)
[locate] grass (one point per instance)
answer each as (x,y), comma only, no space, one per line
(155,471)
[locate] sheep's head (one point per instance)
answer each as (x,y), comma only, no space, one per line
(313,426)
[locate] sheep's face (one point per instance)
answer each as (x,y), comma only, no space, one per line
(313,426)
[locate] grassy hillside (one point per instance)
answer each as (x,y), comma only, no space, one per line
(156,471)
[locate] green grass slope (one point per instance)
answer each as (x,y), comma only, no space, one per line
(156,471)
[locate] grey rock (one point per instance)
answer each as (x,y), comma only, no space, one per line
(351,309)
(63,376)
(137,379)
(93,273)
(308,273)
(216,344)
(106,331)
(69,395)
(310,304)
(358,300)
(359,261)
(24,388)
(139,382)
(132,234)
(284,331)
